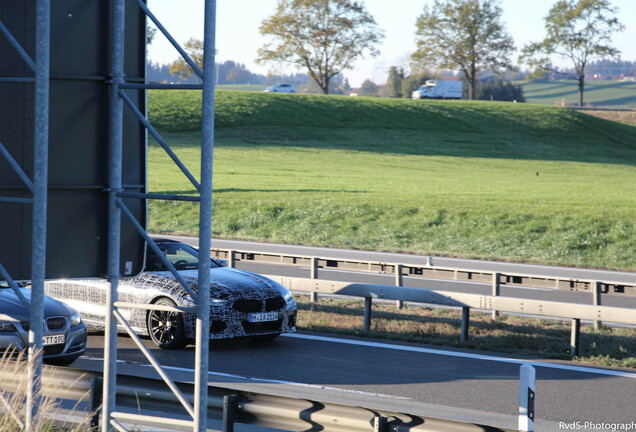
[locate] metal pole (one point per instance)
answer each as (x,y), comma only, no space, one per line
(596,292)
(465,324)
(398,282)
(40,186)
(368,302)
(229,406)
(496,288)
(380,424)
(114,212)
(313,296)
(205,222)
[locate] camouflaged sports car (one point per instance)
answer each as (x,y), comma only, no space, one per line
(242,304)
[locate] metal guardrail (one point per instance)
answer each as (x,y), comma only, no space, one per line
(458,299)
(453,278)
(138,396)
(542,308)
(430,271)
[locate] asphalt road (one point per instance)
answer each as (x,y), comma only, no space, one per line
(411,378)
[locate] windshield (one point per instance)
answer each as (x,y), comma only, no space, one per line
(180,255)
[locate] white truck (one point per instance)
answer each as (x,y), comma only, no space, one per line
(439,89)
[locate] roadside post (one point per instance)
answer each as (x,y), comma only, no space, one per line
(526,398)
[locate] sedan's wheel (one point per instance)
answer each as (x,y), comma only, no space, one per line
(166,329)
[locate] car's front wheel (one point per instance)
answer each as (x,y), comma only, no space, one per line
(166,328)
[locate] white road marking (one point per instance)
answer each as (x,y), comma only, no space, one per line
(254,379)
(415,349)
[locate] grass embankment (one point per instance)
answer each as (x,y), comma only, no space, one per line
(523,336)
(473,179)
(612,94)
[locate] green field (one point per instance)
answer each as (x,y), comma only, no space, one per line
(242,87)
(516,182)
(608,94)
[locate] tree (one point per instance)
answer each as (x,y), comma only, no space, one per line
(578,30)
(499,90)
(463,34)
(323,36)
(394,82)
(194,48)
(368,88)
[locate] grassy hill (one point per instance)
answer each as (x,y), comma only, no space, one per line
(609,94)
(477,179)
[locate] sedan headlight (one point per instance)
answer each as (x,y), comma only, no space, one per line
(6,326)
(76,319)
(217,302)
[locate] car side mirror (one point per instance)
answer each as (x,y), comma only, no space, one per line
(220,262)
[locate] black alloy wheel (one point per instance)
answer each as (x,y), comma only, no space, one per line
(166,328)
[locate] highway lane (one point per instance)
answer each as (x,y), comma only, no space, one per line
(617,276)
(579,297)
(412,378)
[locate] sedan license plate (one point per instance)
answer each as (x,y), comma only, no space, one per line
(53,339)
(262,317)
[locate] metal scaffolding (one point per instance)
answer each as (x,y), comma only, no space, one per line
(116,207)
(38,188)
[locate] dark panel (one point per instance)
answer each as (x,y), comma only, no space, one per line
(78,139)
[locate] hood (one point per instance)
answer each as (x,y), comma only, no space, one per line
(11,305)
(226,280)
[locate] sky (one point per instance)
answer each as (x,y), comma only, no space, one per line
(238,38)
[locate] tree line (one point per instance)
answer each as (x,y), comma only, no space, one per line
(468,36)
(325,38)
(228,72)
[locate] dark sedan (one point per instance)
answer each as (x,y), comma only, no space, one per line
(64,337)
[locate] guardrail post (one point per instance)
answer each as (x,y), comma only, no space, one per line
(95,402)
(575,336)
(367,313)
(380,424)
(232,259)
(229,409)
(313,296)
(526,398)
(496,288)
(465,324)
(596,292)
(398,282)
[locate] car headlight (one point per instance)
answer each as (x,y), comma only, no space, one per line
(6,326)
(76,319)
(289,299)
(217,302)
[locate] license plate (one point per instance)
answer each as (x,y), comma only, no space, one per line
(53,339)
(262,317)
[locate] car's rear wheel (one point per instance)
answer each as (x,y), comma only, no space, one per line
(166,328)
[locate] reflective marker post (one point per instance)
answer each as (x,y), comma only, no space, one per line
(526,398)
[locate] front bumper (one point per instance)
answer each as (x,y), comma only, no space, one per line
(228,323)
(74,346)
